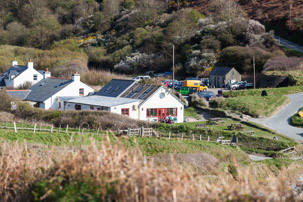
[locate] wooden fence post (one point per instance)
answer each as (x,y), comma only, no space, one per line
(22,125)
(208,138)
(97,131)
(128,132)
(52,128)
(169,134)
(142,131)
(82,131)
(182,136)
(200,137)
(35,128)
(15,127)
(40,126)
(79,130)
(59,128)
(193,136)
(66,131)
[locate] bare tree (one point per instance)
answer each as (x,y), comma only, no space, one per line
(225,10)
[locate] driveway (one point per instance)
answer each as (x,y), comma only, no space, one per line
(280,122)
(289,44)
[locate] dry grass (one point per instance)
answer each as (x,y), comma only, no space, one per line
(119,174)
(6,117)
(95,77)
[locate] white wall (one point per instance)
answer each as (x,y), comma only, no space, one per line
(133,111)
(26,76)
(155,101)
(71,90)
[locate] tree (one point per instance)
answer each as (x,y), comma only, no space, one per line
(182,28)
(225,10)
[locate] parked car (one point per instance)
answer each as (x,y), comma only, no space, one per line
(206,94)
(184,91)
(234,85)
(139,78)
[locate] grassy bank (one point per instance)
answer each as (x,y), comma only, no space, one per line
(112,172)
(297,120)
(251,102)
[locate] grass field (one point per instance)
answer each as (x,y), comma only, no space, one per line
(191,112)
(251,102)
(296,76)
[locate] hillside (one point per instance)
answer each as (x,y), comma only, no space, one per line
(285,17)
(133,37)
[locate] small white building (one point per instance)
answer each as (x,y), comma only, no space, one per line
(17,75)
(144,102)
(124,106)
(45,93)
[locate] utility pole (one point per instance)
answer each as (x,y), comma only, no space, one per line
(178,5)
(173,67)
(254,68)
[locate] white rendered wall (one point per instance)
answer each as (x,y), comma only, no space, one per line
(133,111)
(26,76)
(71,90)
(155,101)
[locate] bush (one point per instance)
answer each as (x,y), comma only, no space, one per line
(5,104)
(297,120)
(210,42)
(241,58)
(129,4)
(216,102)
(139,36)
(196,100)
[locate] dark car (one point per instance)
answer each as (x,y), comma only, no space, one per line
(206,94)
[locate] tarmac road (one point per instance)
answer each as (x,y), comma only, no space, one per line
(281,121)
(289,44)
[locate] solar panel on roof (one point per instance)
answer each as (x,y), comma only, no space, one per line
(110,87)
(137,91)
(145,93)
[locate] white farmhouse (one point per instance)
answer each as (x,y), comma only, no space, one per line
(45,93)
(17,75)
(144,102)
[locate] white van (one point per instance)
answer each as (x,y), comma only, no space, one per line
(139,78)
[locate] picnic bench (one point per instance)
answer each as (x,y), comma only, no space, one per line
(249,132)
(201,126)
(236,126)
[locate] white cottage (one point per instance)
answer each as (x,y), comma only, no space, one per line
(144,102)
(17,75)
(45,93)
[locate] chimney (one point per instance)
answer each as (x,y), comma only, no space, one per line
(46,74)
(30,64)
(76,77)
(14,63)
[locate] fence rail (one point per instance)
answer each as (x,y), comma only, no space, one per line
(131,132)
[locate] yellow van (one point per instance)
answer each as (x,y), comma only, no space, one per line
(196,85)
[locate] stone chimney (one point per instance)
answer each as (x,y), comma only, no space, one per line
(30,64)
(76,77)
(46,74)
(15,62)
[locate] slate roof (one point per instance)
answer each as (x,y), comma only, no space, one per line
(20,94)
(142,92)
(220,71)
(102,101)
(15,70)
(46,88)
(115,87)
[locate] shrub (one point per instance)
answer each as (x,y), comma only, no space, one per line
(216,102)
(99,77)
(129,4)
(5,103)
(283,63)
(210,42)
(196,100)
(297,120)
(139,36)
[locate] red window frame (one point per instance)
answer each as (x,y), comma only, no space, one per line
(153,112)
(125,111)
(81,91)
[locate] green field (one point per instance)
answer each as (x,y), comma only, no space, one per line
(251,102)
